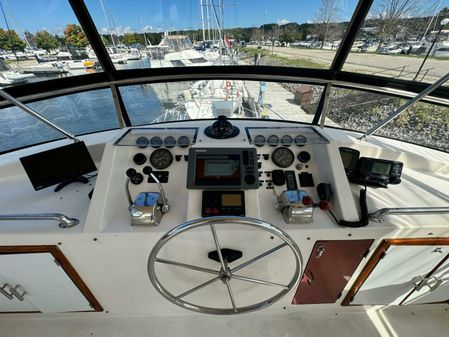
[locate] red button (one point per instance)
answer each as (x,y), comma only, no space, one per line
(324,205)
(307,201)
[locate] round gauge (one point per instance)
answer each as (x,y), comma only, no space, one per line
(282,157)
(170,142)
(161,159)
(183,141)
(156,142)
(259,140)
(142,142)
(273,140)
(300,140)
(139,159)
(287,140)
(304,156)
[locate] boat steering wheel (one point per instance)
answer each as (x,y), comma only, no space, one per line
(225,273)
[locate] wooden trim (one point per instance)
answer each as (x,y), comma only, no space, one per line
(377,255)
(369,267)
(64,263)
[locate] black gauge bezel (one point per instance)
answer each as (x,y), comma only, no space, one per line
(157,165)
(145,143)
(171,143)
(273,144)
(276,162)
(259,144)
(300,144)
(181,144)
(158,141)
(289,142)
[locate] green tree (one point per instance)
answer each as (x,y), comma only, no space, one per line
(75,36)
(9,40)
(46,41)
(132,38)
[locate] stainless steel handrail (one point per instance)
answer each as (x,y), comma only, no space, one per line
(379,215)
(64,221)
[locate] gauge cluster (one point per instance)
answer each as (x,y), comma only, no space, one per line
(156,150)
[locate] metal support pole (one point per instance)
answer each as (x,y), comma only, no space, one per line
(428,52)
(379,215)
(407,105)
(36,114)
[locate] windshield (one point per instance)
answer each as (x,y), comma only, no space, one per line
(394,40)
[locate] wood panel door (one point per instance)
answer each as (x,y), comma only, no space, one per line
(329,269)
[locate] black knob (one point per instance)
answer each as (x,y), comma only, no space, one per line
(130,172)
(147,170)
(137,178)
(250,179)
(139,159)
(304,156)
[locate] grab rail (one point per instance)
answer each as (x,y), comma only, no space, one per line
(64,221)
(379,215)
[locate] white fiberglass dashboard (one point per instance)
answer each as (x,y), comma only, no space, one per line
(188,162)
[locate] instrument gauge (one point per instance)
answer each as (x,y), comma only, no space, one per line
(259,140)
(170,142)
(287,140)
(142,142)
(300,140)
(161,159)
(156,142)
(273,140)
(183,141)
(282,157)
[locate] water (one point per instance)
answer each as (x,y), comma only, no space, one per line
(80,113)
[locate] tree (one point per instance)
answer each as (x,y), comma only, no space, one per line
(132,38)
(392,16)
(9,40)
(326,19)
(46,41)
(75,36)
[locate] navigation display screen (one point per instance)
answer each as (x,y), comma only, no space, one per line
(381,168)
(218,169)
(58,165)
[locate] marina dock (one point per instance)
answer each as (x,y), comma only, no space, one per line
(280,103)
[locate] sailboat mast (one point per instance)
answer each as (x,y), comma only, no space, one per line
(208,19)
(107,22)
(202,19)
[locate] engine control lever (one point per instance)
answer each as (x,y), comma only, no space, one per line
(148,207)
(165,206)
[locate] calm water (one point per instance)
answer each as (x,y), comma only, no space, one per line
(79,113)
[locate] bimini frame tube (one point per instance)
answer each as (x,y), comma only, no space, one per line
(407,105)
(35,114)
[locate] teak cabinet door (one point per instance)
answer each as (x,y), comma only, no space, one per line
(329,269)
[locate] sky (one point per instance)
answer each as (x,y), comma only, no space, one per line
(163,15)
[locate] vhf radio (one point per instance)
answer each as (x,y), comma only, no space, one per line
(370,171)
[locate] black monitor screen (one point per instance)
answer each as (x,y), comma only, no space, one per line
(58,165)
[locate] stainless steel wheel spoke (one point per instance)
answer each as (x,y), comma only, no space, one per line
(217,245)
(255,280)
(258,257)
(188,266)
(231,296)
(202,285)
